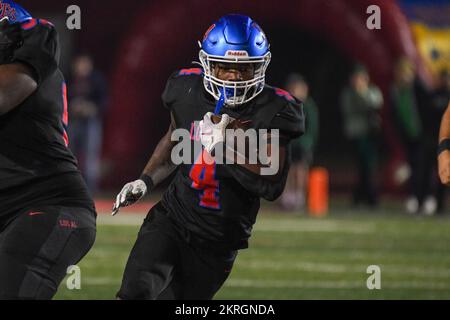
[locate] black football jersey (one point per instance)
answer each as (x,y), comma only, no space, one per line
(35,162)
(217,203)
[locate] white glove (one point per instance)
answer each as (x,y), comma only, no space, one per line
(131,192)
(212,133)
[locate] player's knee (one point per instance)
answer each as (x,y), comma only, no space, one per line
(135,290)
(29,284)
(142,285)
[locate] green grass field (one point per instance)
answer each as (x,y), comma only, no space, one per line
(297,257)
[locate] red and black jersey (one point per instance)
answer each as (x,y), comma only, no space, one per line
(217,204)
(35,162)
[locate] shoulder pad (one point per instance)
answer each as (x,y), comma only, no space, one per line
(177,82)
(190,71)
(40,48)
(31,23)
(284,94)
(290,120)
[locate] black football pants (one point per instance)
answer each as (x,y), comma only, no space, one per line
(163,266)
(38,245)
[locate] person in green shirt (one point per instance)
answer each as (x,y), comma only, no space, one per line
(302,148)
(361,103)
(412,113)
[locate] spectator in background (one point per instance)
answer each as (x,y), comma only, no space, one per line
(302,149)
(361,103)
(408,122)
(87,102)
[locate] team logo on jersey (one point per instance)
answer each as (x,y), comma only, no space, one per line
(7,11)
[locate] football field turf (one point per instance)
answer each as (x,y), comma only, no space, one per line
(298,257)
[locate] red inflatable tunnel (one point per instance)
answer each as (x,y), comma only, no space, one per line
(166,33)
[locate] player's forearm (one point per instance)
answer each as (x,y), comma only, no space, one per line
(261,186)
(160,165)
(232,156)
(444,132)
(158,171)
(16,84)
(254,177)
(268,168)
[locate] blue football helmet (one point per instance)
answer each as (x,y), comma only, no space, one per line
(234,39)
(13,12)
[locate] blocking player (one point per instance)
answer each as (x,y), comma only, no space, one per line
(188,242)
(47,218)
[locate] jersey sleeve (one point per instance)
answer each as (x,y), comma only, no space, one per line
(40,48)
(168,95)
(290,120)
(179,83)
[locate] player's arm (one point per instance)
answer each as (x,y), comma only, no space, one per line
(273,151)
(444,148)
(266,180)
(16,84)
(213,136)
(159,167)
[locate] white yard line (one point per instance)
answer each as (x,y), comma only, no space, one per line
(343,268)
(322,226)
(127,219)
(265,225)
(341,284)
(296,284)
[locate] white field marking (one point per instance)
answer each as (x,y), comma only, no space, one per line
(342,268)
(101,257)
(374,256)
(314,226)
(267,225)
(341,284)
(101,281)
(127,219)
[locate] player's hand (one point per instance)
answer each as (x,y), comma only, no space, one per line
(212,133)
(444,167)
(131,192)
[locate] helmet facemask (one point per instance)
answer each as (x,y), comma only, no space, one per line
(235,92)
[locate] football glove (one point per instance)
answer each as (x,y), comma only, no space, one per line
(130,193)
(212,133)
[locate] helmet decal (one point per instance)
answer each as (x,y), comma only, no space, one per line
(208,31)
(13,12)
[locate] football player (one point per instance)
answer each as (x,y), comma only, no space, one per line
(444,148)
(47,217)
(189,241)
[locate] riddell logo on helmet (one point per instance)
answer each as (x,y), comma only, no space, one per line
(7,11)
(233,53)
